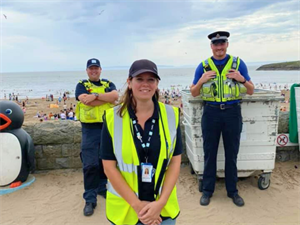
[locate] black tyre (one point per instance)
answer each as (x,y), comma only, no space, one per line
(191,169)
(262,185)
(200,184)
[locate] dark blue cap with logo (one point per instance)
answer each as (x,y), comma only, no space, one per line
(219,36)
(143,66)
(93,62)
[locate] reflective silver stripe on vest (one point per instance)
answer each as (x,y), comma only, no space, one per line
(234,63)
(111,189)
(172,125)
(206,62)
(118,138)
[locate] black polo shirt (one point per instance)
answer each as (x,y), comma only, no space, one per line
(146,190)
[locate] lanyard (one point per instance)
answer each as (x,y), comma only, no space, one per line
(145,146)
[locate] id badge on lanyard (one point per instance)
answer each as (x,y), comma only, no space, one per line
(147,172)
(147,169)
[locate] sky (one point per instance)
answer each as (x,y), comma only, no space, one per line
(61,35)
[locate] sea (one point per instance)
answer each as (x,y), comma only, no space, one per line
(40,84)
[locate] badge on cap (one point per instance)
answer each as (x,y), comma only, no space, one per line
(94,61)
(218,35)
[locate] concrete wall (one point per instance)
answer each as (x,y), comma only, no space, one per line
(283,123)
(57,143)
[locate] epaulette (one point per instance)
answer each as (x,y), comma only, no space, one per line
(82,81)
(234,62)
(206,66)
(105,80)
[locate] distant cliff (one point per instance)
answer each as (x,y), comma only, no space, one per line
(294,65)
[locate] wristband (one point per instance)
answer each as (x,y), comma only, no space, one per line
(244,81)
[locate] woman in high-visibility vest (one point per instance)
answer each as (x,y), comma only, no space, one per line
(141,151)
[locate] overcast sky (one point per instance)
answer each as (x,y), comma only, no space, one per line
(60,35)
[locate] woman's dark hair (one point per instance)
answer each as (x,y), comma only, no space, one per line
(128,100)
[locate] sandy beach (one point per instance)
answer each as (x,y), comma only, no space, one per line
(44,107)
(56,198)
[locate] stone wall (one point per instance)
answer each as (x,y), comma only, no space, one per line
(57,143)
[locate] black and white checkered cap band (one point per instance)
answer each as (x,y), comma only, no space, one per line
(219,38)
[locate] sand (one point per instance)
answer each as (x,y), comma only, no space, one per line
(56,198)
(41,105)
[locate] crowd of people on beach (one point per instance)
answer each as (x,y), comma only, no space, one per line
(62,97)
(273,86)
(66,113)
(69,114)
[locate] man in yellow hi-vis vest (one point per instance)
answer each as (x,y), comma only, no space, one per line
(94,96)
(221,81)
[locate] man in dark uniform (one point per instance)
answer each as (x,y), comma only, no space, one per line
(94,96)
(221,80)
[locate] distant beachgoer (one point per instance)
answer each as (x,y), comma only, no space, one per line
(65,107)
(71,115)
(62,115)
(38,115)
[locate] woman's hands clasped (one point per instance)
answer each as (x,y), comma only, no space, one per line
(150,214)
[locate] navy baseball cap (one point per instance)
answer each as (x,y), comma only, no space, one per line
(219,36)
(143,66)
(93,62)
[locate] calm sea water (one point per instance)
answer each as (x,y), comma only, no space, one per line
(39,84)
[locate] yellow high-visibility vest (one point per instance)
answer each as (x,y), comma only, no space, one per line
(118,211)
(92,114)
(221,88)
